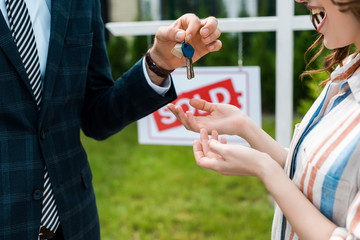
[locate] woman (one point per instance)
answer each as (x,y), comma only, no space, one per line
(318,194)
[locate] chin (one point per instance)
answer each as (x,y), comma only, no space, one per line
(332,46)
(329,44)
(335,44)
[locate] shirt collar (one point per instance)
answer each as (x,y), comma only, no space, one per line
(353,82)
(354,85)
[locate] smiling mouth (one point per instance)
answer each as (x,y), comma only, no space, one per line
(317,16)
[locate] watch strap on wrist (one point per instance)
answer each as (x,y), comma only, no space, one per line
(155,68)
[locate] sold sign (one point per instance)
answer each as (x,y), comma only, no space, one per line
(220,92)
(230,85)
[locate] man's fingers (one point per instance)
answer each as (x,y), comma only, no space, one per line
(210,34)
(214,46)
(212,37)
(170,33)
(191,23)
(208,26)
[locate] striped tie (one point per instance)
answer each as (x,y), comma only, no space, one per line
(22,32)
(50,218)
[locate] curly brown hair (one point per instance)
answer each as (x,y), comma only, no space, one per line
(338,55)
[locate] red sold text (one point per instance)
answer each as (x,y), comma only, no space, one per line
(220,92)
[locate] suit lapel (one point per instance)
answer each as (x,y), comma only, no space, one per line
(10,49)
(60,10)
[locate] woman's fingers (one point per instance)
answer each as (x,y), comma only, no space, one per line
(215,146)
(193,123)
(187,119)
(201,104)
(214,135)
(179,114)
(204,139)
(201,159)
(198,151)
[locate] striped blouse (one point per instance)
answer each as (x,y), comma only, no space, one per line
(324,156)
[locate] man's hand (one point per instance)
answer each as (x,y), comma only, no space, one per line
(201,34)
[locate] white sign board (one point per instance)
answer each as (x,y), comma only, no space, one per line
(233,85)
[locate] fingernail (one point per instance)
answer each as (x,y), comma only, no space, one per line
(179,36)
(205,31)
(211,48)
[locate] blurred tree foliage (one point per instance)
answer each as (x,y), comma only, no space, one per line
(258,49)
(267,8)
(172,9)
(118,51)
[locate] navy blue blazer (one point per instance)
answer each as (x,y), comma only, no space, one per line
(78,93)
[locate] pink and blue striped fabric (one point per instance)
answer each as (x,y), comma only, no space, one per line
(324,156)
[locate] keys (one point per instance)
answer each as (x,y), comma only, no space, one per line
(177,51)
(188,52)
(185,49)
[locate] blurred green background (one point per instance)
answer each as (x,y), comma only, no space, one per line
(158,192)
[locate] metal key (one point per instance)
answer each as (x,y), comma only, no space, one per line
(188,52)
(177,51)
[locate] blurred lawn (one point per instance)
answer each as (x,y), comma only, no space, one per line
(158,192)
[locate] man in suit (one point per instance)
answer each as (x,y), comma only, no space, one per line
(41,156)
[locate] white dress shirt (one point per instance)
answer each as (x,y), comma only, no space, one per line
(40,14)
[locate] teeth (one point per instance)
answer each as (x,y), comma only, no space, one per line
(316,10)
(317,15)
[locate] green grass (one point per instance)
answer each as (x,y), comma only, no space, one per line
(147,192)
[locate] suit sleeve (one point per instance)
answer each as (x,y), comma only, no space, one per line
(109,106)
